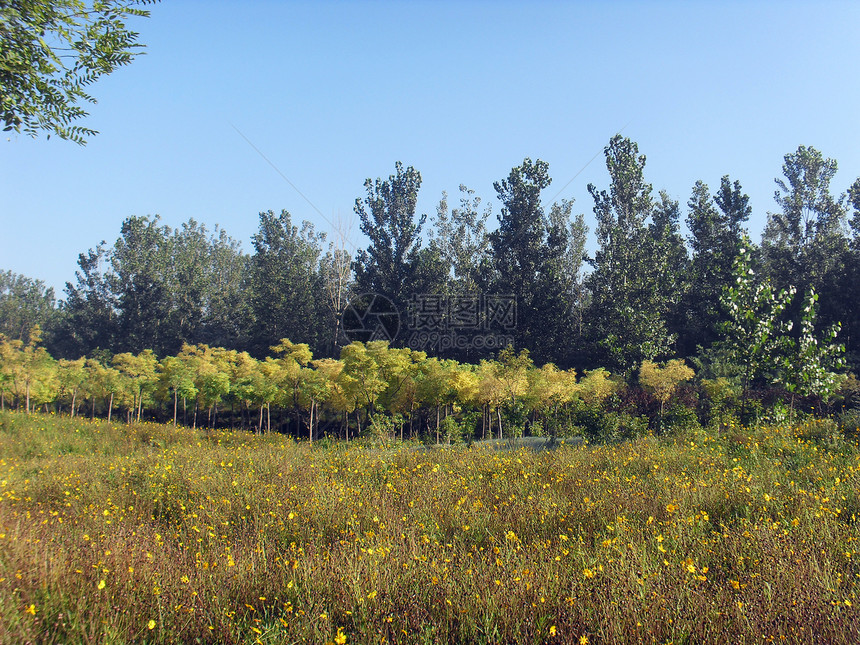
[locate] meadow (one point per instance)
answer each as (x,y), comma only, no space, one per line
(146,533)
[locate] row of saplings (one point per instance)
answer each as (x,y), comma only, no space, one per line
(631,411)
(604,408)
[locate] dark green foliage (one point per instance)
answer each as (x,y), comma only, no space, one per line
(390,263)
(716,230)
(628,314)
(804,244)
(670,263)
(155,288)
(89,311)
(851,293)
(209,303)
(534,260)
(463,246)
(286,290)
(141,281)
(25,303)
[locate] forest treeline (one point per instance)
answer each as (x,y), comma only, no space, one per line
(647,294)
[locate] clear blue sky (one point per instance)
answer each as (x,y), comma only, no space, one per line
(335,92)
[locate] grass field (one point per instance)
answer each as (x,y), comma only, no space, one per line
(112,533)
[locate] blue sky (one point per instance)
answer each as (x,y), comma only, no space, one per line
(334,92)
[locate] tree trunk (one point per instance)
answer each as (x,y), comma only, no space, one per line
(268,417)
(175,406)
(74,398)
(110,406)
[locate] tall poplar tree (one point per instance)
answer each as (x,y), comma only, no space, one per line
(628,311)
(529,251)
(804,243)
(716,233)
(462,242)
(390,264)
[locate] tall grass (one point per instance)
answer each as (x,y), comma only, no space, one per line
(146,533)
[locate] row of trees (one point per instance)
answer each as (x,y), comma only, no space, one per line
(368,388)
(648,293)
(384,389)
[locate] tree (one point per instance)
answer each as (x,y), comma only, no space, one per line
(571,235)
(71,378)
(24,303)
(102,382)
(809,364)
(142,260)
(159,288)
(177,377)
(27,371)
(137,380)
(852,316)
(663,381)
(286,290)
(530,252)
(512,371)
(854,201)
(669,266)
(462,243)
(336,274)
(89,318)
(804,244)
(628,311)
(293,359)
(716,231)
(360,378)
(206,283)
(434,387)
(754,336)
(50,52)
(389,264)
